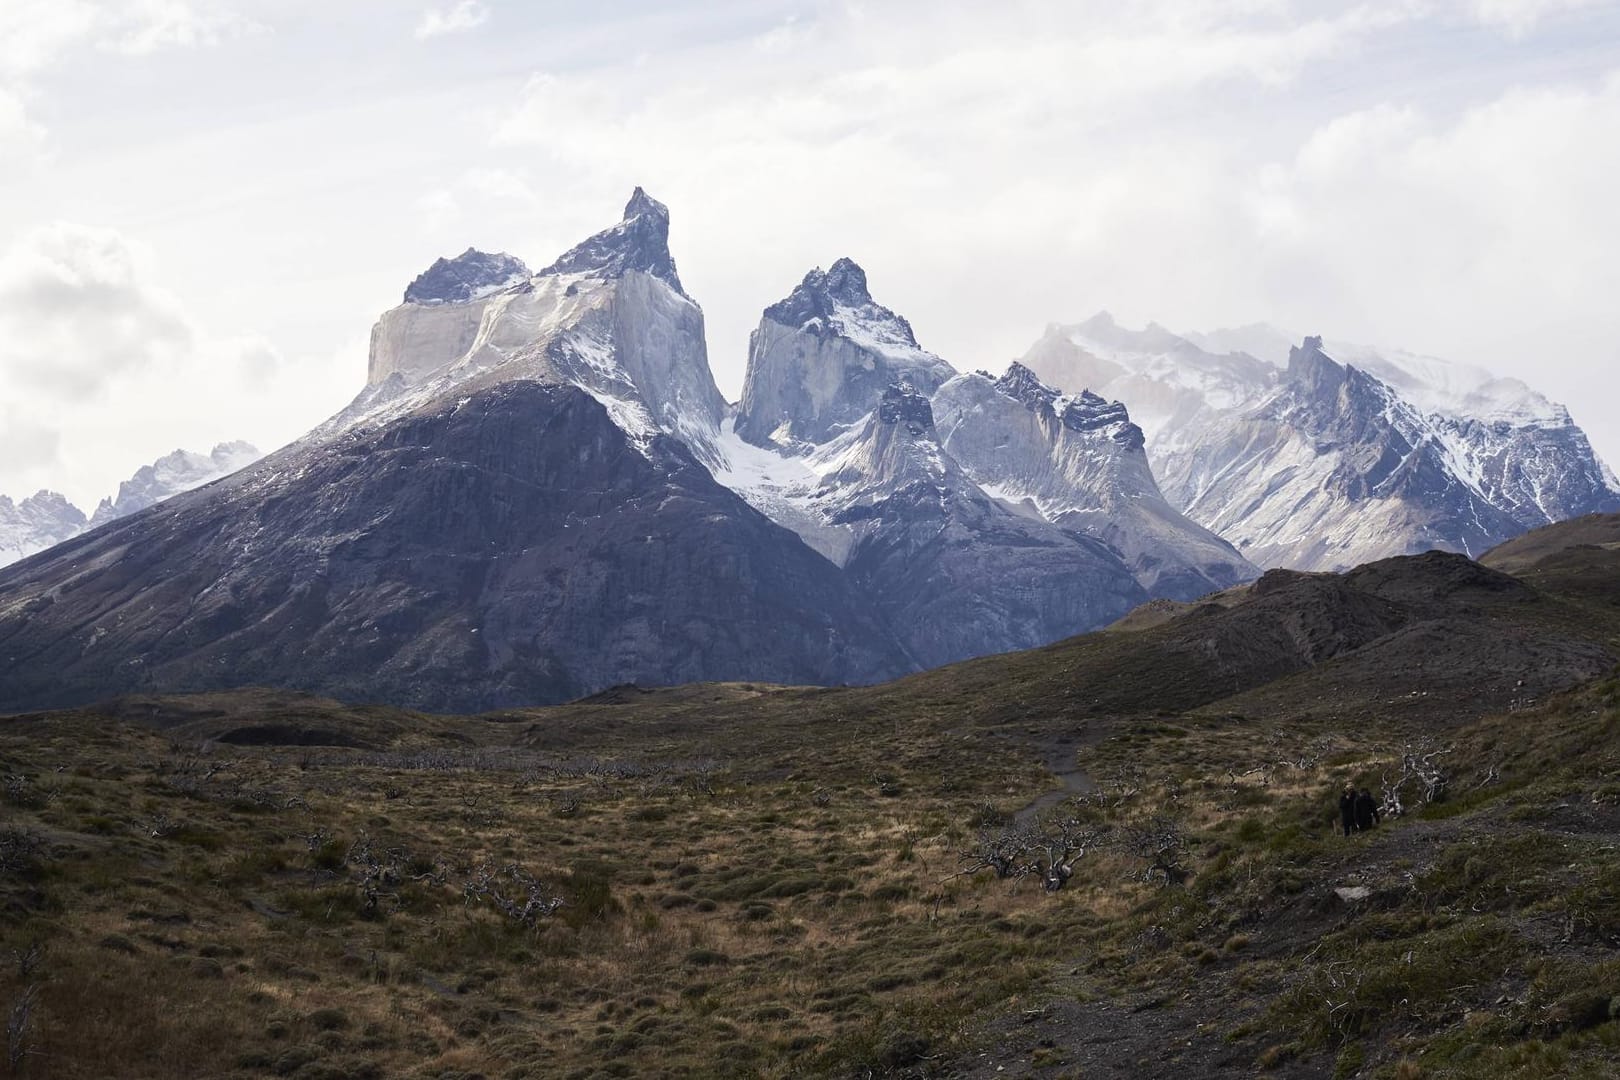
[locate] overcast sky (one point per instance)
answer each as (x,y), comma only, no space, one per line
(204,204)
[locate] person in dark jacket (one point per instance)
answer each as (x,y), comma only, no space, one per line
(1366,810)
(1347,809)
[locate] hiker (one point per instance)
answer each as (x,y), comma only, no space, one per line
(1347,809)
(1366,810)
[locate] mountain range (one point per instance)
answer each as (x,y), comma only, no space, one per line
(1322,456)
(47,518)
(540,492)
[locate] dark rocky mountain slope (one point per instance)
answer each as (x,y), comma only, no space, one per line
(513,548)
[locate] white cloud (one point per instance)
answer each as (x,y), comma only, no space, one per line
(20,136)
(1366,170)
(1519,17)
(460,17)
(30,448)
(36,34)
(33,33)
(993,179)
(442,210)
(1488,234)
(76,308)
(1025,140)
(139,27)
(102,369)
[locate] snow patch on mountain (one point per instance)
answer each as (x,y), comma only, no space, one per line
(1258,453)
(1449,388)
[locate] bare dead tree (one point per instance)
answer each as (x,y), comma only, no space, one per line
(1285,752)
(379,873)
(1046,851)
(28,960)
(513,892)
(1491,775)
(1420,768)
(1000,853)
(1064,843)
(1158,842)
(19,1029)
(700,777)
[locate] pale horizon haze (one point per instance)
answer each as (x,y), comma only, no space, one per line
(205,204)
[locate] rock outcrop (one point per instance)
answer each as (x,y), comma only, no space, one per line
(954,573)
(609,316)
(1078,461)
(468,276)
(821,357)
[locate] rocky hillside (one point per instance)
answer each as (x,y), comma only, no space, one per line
(508,547)
(858,881)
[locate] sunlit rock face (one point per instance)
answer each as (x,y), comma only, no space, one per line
(823,355)
(609,316)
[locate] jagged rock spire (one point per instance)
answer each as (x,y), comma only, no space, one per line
(1022,384)
(639,242)
(1309,364)
(823,293)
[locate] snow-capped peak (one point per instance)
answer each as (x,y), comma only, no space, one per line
(471,275)
(837,301)
(1459,391)
(171,474)
(638,242)
(822,355)
(608,316)
(46,519)
(1023,385)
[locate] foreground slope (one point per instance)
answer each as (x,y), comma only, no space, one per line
(750,880)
